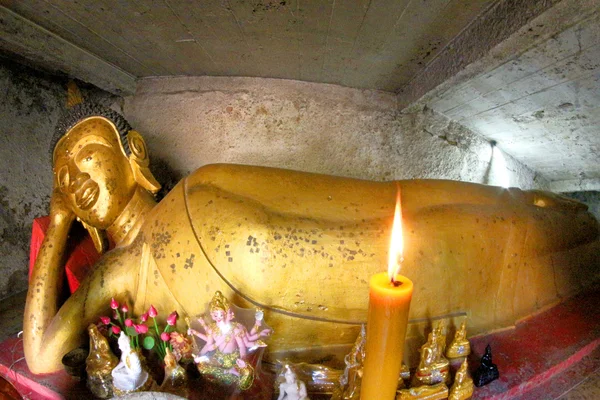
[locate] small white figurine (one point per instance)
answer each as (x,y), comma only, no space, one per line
(291,388)
(128,375)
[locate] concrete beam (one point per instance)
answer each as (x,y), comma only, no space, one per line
(575,185)
(505,30)
(49,51)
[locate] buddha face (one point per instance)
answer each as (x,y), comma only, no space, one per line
(93,173)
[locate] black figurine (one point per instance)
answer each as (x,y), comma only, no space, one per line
(487,371)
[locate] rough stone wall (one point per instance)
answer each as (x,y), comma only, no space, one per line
(30,105)
(190,122)
(590,197)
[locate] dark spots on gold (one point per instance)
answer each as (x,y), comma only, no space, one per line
(189,262)
(228,253)
(173,268)
(160,240)
(230,259)
(177,255)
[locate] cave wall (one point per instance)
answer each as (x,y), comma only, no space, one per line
(189,122)
(30,106)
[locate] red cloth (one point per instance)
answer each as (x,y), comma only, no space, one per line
(80,257)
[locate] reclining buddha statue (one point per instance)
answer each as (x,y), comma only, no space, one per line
(302,246)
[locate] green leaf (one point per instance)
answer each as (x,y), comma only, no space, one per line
(148,343)
(130,330)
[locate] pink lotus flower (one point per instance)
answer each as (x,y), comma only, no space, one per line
(172,318)
(114,304)
(152,311)
(141,328)
(125,308)
(128,322)
(115,329)
(105,320)
(165,336)
(144,317)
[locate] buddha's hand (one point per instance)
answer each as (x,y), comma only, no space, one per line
(60,213)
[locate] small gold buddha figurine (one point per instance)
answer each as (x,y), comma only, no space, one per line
(463,386)
(176,380)
(460,346)
(440,334)
(99,364)
(434,392)
(433,367)
(404,376)
(349,384)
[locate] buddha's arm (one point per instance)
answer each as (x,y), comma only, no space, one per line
(50,330)
(44,286)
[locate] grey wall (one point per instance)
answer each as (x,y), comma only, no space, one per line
(189,122)
(31,103)
(589,197)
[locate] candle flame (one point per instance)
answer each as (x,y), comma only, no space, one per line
(397,242)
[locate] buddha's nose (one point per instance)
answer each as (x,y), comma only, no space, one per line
(79,180)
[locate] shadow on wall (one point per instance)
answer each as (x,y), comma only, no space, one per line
(591,198)
(165,175)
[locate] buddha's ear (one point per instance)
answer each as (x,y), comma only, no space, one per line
(98,237)
(140,162)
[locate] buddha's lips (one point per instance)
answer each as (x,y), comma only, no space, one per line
(87,195)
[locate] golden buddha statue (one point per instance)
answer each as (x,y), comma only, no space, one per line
(176,380)
(462,388)
(99,365)
(302,246)
(433,366)
(460,346)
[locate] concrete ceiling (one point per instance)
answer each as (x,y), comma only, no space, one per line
(523,73)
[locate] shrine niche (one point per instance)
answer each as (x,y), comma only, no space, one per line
(301,246)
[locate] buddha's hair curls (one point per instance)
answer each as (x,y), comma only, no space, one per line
(85,110)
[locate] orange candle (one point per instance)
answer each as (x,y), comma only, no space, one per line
(389,304)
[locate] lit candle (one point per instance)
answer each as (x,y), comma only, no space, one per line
(389,303)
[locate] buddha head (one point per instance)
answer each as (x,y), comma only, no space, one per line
(98,163)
